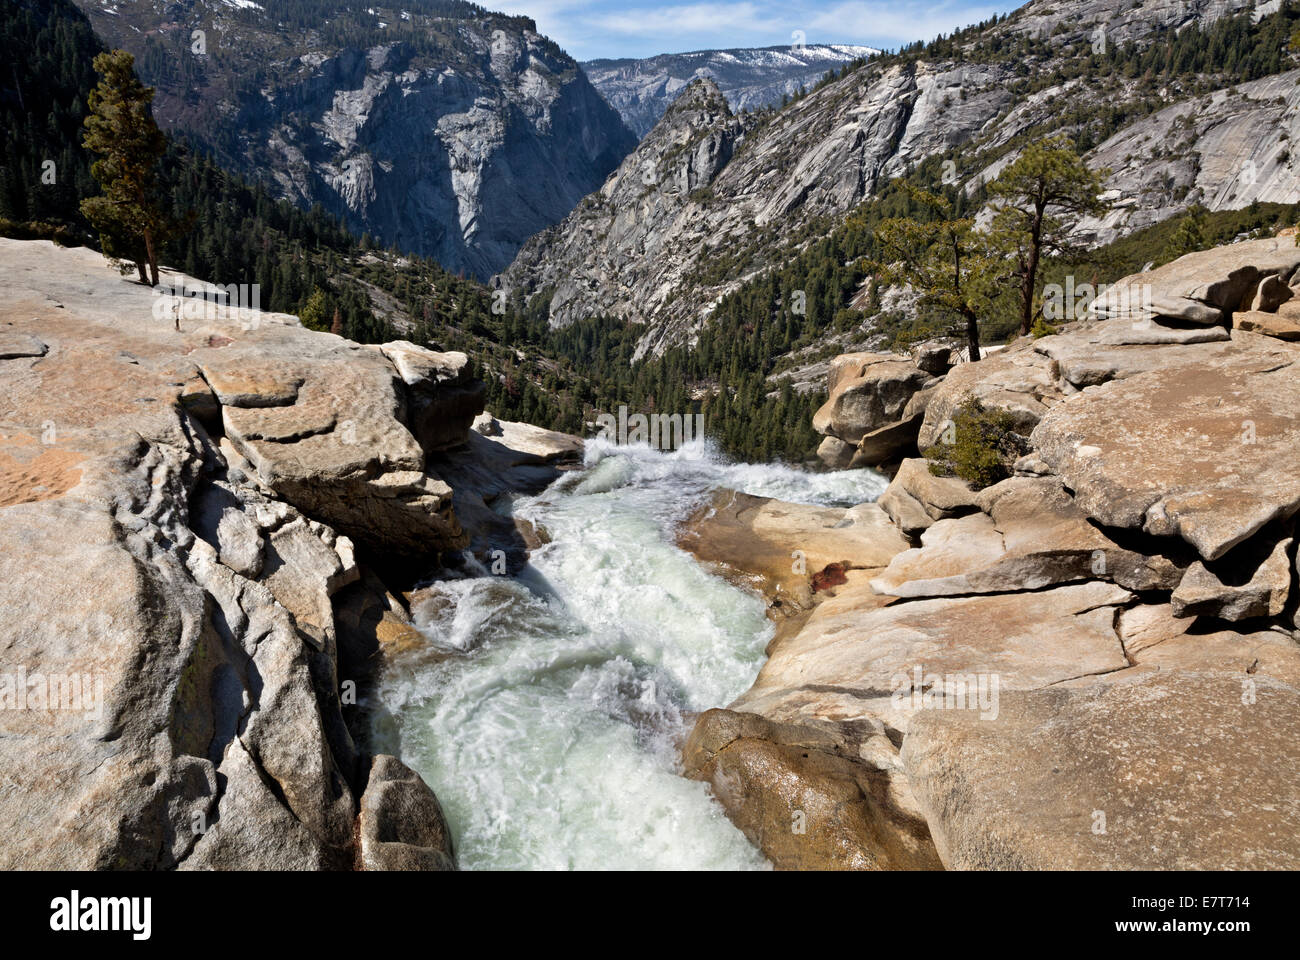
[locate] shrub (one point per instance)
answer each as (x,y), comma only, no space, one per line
(984,447)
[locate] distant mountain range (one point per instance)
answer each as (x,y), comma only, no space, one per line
(640,90)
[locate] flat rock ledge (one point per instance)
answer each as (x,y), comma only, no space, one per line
(1091,665)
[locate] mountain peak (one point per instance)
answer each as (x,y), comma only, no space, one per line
(701,94)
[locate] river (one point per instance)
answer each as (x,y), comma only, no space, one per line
(550,716)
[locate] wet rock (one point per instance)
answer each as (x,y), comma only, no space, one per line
(777,547)
(402,826)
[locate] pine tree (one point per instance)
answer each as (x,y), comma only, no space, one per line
(945,261)
(121,129)
(1036,202)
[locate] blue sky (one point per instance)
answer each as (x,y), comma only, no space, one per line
(588,29)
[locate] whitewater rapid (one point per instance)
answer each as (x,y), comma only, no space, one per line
(549,710)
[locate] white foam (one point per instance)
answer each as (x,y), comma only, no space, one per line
(551,732)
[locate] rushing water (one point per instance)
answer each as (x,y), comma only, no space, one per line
(549,710)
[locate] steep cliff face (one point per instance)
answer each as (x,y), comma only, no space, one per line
(439,128)
(647,250)
(976,101)
(641,90)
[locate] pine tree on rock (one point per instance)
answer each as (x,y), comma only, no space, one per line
(1037,201)
(121,129)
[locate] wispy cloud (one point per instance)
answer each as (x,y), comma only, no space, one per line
(639,28)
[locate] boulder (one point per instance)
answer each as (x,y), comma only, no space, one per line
(1157,770)
(835,453)
(1269,324)
(1203,288)
(1270,293)
(443,395)
(1252,581)
(940,497)
(907,512)
(808,795)
(867,392)
(340,450)
(1208,451)
(936,357)
(852,659)
(182,584)
(401,824)
(1116,349)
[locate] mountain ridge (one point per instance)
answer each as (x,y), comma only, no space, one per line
(640,89)
(973,98)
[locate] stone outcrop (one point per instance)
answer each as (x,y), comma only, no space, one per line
(1207,287)
(187,521)
(1018,380)
(1092,664)
(804,795)
(916,498)
(1207,450)
(1148,771)
(786,551)
(875,405)
(401,823)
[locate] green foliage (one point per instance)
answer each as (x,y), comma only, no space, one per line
(315,313)
(984,448)
(1041,328)
(1189,235)
(947,262)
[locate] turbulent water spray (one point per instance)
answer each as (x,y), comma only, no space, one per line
(549,709)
